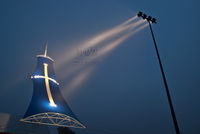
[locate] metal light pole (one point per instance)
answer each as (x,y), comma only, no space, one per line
(153,20)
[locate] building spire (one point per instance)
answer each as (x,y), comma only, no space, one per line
(45,52)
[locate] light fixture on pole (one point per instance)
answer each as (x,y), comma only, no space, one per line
(153,20)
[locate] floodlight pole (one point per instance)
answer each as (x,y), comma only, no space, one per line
(165,83)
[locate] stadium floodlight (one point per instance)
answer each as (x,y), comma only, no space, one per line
(153,20)
(149,18)
(139,14)
(144,16)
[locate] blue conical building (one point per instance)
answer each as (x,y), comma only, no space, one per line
(47,105)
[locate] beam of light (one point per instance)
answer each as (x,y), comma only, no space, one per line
(77,81)
(74,69)
(96,40)
(71,54)
(129,20)
(110,46)
(109,34)
(82,72)
(47,86)
(114,44)
(86,71)
(43,77)
(105,49)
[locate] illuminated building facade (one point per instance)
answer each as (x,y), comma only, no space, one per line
(47,105)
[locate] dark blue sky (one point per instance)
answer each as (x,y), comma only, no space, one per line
(125,92)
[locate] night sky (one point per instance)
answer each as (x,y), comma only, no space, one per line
(124,91)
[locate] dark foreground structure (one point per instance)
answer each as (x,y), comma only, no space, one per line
(64,130)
